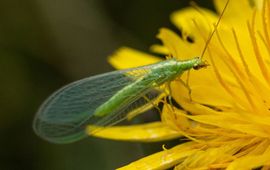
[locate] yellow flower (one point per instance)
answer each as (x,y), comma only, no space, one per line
(227,123)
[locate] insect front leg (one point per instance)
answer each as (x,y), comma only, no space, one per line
(185,84)
(170,94)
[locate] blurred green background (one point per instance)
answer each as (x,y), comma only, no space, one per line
(45,44)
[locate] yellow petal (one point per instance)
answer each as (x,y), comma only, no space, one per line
(259,4)
(196,25)
(126,57)
(159,49)
(175,45)
(237,12)
(150,132)
(174,118)
(217,97)
(177,119)
(185,20)
(236,123)
(204,159)
(251,162)
(164,159)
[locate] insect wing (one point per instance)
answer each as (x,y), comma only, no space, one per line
(64,116)
(133,106)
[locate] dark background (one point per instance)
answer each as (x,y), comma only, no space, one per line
(45,44)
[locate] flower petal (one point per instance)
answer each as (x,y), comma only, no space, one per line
(150,132)
(164,159)
(159,49)
(237,123)
(252,162)
(128,58)
(196,26)
(215,95)
(186,19)
(175,45)
(232,14)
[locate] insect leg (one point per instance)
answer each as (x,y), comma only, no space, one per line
(170,94)
(152,103)
(185,84)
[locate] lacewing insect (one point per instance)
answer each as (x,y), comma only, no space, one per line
(106,99)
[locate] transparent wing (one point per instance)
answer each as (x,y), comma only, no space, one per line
(129,109)
(64,116)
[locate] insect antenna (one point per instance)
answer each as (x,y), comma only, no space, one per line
(215,26)
(204,64)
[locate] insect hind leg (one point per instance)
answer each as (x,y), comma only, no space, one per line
(152,103)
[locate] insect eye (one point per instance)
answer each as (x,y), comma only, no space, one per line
(199,66)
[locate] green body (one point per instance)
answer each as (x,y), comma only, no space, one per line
(160,73)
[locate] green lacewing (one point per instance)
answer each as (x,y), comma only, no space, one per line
(104,100)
